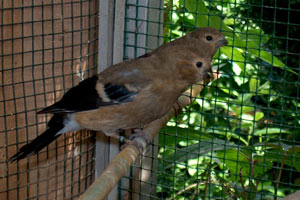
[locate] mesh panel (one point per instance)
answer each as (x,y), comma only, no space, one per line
(46,47)
(239,139)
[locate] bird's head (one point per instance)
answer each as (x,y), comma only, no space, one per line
(203,69)
(192,65)
(210,39)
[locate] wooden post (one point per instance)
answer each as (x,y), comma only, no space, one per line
(144,33)
(111,31)
(111,40)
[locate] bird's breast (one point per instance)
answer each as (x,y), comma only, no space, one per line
(149,105)
(126,116)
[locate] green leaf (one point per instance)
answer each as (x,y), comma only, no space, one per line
(200,12)
(258,115)
(240,162)
(235,55)
(292,160)
(228,90)
(284,147)
(229,21)
(269,131)
(200,149)
(255,49)
(256,35)
(229,135)
(264,88)
(254,83)
(251,45)
(281,152)
(269,58)
(174,135)
(242,110)
(245,98)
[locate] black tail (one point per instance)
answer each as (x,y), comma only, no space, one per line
(43,140)
(36,145)
(53,109)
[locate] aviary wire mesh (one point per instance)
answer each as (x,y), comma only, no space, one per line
(240,138)
(46,47)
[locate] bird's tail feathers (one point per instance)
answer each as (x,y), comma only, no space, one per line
(54,109)
(59,123)
(36,145)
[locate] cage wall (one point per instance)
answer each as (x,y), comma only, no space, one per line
(143,31)
(46,47)
(238,140)
(240,137)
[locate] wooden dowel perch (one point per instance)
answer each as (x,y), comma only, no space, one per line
(121,164)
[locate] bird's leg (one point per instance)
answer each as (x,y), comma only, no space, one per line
(119,135)
(125,142)
(177,108)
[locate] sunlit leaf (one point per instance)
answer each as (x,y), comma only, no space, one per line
(258,115)
(200,149)
(291,159)
(235,56)
(174,135)
(256,35)
(241,163)
(229,135)
(269,131)
(253,46)
(264,88)
(254,83)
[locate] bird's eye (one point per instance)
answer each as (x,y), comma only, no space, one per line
(199,64)
(208,38)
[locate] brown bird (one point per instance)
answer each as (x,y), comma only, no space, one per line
(131,94)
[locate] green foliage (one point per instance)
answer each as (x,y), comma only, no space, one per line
(239,140)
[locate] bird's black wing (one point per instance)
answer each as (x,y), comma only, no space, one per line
(89,95)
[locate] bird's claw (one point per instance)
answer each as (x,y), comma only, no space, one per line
(177,107)
(136,136)
(140,133)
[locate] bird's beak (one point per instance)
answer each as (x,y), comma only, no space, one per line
(208,76)
(222,42)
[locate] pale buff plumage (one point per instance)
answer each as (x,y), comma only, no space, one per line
(133,93)
(160,79)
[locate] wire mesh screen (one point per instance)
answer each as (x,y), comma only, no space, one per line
(143,33)
(46,47)
(240,138)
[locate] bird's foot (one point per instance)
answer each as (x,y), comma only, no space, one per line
(177,107)
(140,133)
(138,139)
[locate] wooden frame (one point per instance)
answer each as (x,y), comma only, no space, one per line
(111,42)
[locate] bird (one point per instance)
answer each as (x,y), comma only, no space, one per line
(131,94)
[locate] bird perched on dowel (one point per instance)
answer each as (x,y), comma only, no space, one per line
(131,94)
